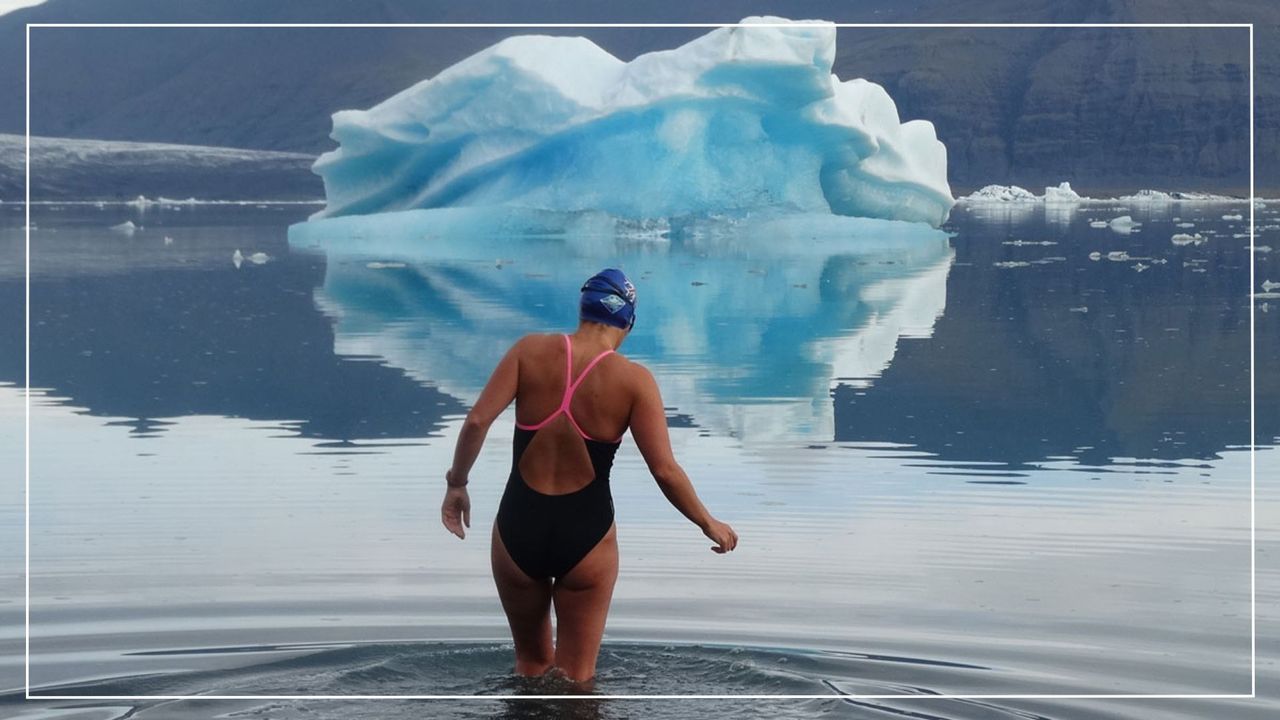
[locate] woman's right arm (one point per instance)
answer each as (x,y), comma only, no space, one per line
(498,393)
(649,428)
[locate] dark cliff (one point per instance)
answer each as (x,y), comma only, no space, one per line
(1108,109)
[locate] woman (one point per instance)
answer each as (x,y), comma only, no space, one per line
(554,540)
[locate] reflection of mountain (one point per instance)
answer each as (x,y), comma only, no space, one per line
(1158,366)
(745,325)
(127,327)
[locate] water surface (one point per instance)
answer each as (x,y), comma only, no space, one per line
(975,462)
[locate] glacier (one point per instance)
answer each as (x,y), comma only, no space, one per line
(742,119)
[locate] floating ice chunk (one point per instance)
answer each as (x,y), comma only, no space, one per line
(1268,286)
(1148,197)
(1140,267)
(1012,264)
(1081,309)
(168,240)
(1185,239)
(1123,224)
(1002,193)
(1061,194)
(141,202)
(1098,223)
(127,227)
(1261,248)
(258,258)
(1156,197)
(1118,256)
(1237,216)
(743,117)
(1020,243)
(1186,225)
(1095,255)
(1064,193)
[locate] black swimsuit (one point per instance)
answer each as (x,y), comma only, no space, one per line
(547,535)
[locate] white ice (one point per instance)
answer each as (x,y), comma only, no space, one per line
(742,118)
(1185,239)
(1123,224)
(1063,193)
(1002,193)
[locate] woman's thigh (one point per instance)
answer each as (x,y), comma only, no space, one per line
(581,600)
(527,603)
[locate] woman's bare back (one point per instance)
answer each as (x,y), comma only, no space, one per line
(556,460)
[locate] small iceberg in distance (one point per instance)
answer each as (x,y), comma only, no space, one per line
(744,119)
(1063,193)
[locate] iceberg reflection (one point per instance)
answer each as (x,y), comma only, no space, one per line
(747,323)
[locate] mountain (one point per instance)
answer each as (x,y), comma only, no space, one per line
(1108,109)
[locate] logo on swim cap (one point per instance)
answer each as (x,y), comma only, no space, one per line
(613,302)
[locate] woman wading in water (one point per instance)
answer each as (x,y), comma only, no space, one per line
(554,541)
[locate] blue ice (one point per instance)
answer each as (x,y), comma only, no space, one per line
(744,119)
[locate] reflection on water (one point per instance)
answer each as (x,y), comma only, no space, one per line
(746,325)
(1047,353)
(132,327)
(235,470)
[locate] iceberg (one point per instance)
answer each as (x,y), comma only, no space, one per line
(1063,193)
(1001,193)
(743,118)
(1123,224)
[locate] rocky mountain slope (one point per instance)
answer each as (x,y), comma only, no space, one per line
(1108,109)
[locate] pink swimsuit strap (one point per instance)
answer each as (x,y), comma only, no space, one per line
(570,386)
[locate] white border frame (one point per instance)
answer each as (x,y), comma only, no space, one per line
(1253,661)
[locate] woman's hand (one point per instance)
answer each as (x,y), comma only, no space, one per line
(722,535)
(455,513)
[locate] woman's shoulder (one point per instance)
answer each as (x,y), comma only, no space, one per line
(537,347)
(539,340)
(633,370)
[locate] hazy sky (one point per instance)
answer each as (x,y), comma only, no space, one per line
(11,5)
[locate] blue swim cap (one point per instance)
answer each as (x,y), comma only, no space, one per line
(609,298)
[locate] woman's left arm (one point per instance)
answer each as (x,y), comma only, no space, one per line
(496,396)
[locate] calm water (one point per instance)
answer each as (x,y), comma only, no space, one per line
(973,462)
